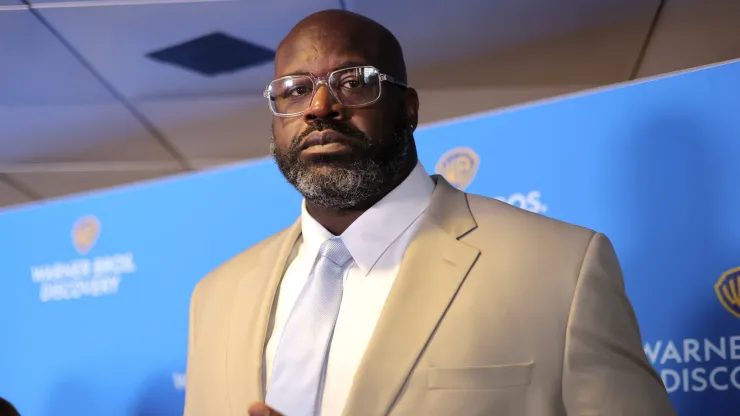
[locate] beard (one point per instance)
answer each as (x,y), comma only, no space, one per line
(351,180)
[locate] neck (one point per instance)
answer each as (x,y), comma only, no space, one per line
(336,221)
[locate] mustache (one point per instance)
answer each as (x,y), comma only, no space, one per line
(321,125)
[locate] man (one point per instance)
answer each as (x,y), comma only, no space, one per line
(395,293)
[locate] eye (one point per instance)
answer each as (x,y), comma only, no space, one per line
(296,92)
(350,83)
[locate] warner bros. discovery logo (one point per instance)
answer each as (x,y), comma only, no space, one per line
(696,365)
(83,276)
(459,167)
(727,289)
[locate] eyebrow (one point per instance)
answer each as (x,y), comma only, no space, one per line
(343,64)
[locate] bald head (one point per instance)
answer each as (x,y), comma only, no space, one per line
(343,31)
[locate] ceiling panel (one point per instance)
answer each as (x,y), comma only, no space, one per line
(55,184)
(11,196)
(213,128)
(105,36)
(10,3)
(476,27)
(102,132)
(440,105)
(591,56)
(707,32)
(37,69)
(538,70)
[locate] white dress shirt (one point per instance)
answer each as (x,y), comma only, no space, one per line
(377,241)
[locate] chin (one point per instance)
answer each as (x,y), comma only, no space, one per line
(324,169)
(330,161)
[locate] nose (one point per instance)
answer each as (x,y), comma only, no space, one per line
(323,106)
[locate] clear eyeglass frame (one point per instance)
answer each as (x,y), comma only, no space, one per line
(317,81)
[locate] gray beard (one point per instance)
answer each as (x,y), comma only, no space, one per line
(351,185)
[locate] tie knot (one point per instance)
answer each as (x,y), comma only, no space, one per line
(335,250)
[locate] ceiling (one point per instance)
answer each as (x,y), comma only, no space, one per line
(85,105)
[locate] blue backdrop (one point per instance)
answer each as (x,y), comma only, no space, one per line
(94,290)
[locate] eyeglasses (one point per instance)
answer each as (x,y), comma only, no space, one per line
(352,87)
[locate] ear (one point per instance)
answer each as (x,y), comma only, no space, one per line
(411,106)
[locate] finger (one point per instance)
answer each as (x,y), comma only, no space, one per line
(261,409)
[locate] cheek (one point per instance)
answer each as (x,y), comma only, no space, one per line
(365,125)
(284,131)
(375,124)
(392,116)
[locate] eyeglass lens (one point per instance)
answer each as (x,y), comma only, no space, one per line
(351,86)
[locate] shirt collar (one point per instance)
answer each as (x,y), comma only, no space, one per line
(378,227)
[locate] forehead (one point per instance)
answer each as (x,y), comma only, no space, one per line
(319,50)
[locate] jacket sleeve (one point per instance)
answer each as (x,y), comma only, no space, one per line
(605,370)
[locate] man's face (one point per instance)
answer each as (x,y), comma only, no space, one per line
(339,157)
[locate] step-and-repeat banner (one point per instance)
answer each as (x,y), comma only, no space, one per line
(94,290)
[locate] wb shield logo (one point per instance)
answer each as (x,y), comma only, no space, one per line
(85,233)
(728,291)
(459,167)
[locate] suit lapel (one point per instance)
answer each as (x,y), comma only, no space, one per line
(250,317)
(434,266)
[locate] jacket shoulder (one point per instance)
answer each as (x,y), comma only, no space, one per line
(494,216)
(225,276)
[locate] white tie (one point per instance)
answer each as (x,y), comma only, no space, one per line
(297,378)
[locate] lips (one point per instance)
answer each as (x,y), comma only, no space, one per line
(324,138)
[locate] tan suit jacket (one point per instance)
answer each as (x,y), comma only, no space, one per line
(495,311)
